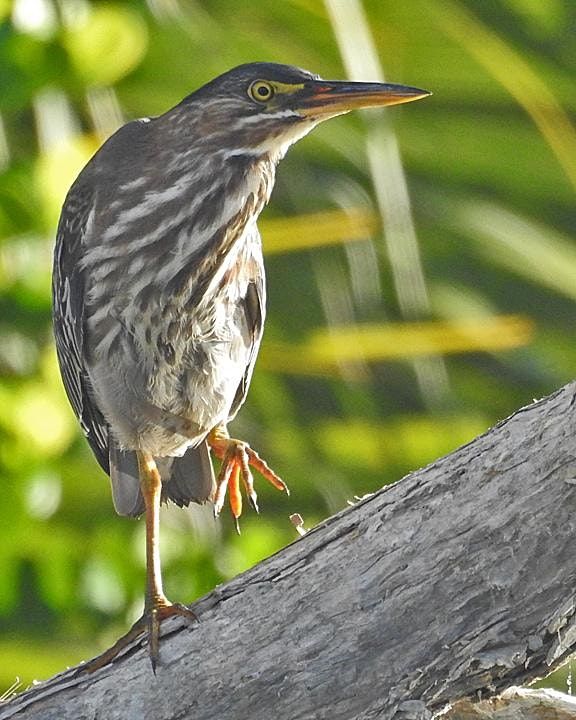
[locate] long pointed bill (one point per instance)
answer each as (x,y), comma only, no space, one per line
(330,98)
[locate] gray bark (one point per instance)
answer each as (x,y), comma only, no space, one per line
(456,582)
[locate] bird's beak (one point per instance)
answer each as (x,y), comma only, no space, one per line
(327,98)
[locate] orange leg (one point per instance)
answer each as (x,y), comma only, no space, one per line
(237,457)
(157,607)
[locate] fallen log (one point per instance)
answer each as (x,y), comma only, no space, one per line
(456,582)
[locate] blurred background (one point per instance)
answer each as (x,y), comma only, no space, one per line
(421,273)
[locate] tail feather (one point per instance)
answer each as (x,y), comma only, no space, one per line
(185,479)
(189,478)
(125,481)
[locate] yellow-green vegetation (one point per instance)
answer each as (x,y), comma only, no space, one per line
(415,297)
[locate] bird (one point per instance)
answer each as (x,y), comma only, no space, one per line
(159,293)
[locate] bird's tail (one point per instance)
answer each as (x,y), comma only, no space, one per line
(185,479)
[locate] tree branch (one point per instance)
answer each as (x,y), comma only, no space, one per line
(456,582)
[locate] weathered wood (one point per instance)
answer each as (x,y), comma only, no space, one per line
(457,581)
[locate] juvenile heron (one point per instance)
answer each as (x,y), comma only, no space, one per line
(159,293)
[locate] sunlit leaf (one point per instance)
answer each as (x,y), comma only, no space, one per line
(108,45)
(315,230)
(42,420)
(369,447)
(57,169)
(5,8)
(327,348)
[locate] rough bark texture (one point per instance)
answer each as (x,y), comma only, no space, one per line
(457,581)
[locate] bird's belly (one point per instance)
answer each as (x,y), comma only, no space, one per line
(201,386)
(160,369)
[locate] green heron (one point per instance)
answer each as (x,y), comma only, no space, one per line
(159,292)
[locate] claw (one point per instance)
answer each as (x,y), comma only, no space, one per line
(248,482)
(153,619)
(149,622)
(237,457)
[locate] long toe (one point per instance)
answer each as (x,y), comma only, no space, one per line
(154,618)
(237,458)
(123,643)
(148,623)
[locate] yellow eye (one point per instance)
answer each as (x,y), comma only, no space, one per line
(261,91)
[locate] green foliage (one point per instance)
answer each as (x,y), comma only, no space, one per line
(490,166)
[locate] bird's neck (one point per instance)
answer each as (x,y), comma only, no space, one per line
(220,221)
(192,209)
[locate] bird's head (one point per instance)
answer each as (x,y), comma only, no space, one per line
(265,107)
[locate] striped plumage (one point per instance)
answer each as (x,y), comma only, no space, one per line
(158,287)
(159,283)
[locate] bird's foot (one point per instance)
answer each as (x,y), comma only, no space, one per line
(149,623)
(237,457)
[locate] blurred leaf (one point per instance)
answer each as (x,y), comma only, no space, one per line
(315,230)
(327,348)
(543,18)
(521,245)
(57,169)
(26,659)
(416,441)
(5,8)
(259,540)
(108,44)
(102,587)
(519,78)
(41,420)
(19,53)
(9,585)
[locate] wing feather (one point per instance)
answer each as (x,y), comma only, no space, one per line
(253,305)
(69,314)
